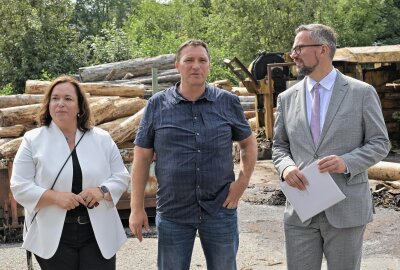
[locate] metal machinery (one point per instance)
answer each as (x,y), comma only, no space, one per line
(267,78)
(11,215)
(272,73)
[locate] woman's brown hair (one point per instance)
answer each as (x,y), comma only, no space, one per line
(84,116)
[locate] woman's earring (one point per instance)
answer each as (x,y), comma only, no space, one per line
(78,115)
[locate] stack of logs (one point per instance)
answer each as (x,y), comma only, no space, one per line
(116,93)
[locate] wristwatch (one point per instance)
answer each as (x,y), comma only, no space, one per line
(104,190)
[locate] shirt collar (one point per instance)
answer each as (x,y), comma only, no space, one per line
(209,94)
(327,82)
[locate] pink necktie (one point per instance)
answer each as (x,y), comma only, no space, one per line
(315,114)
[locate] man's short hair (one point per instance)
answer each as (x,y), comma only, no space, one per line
(322,34)
(192,42)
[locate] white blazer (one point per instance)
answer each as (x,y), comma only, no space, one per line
(39,158)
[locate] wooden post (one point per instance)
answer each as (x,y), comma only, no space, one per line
(266,96)
(154,81)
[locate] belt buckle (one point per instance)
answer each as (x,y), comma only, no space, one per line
(81,222)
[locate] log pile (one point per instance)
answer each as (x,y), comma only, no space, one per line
(116,93)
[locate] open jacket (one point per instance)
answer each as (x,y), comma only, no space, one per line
(354,129)
(39,159)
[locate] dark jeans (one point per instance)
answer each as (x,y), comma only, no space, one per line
(78,250)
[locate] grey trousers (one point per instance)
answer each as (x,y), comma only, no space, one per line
(305,246)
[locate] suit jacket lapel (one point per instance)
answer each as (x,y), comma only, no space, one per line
(339,91)
(301,111)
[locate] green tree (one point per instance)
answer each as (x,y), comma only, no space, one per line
(156,28)
(36,38)
(244,27)
(390,18)
(111,45)
(91,16)
(357,22)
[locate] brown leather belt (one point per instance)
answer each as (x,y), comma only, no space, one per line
(79,220)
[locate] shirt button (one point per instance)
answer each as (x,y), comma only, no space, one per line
(198,150)
(198,186)
(197,134)
(198,169)
(195,118)
(315,156)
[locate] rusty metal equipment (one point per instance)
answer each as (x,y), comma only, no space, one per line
(376,65)
(264,91)
(10,225)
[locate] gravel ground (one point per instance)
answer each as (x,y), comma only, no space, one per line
(261,244)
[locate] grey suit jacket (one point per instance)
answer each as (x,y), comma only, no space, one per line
(354,129)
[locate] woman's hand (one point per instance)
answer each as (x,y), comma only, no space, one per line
(68,200)
(91,196)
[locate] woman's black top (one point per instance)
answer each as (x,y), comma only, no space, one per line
(81,210)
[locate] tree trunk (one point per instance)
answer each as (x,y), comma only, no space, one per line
(24,115)
(385,171)
(107,126)
(12,131)
(125,107)
(173,78)
(109,89)
(126,131)
(249,114)
(100,110)
(247,98)
(108,109)
(97,89)
(223,84)
(19,100)
(253,123)
(137,67)
(248,106)
(241,91)
(5,140)
(9,149)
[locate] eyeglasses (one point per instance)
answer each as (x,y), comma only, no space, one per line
(298,48)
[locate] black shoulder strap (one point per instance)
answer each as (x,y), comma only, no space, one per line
(55,180)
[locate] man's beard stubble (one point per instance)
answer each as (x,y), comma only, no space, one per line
(307,70)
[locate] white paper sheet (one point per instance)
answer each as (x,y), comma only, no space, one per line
(321,193)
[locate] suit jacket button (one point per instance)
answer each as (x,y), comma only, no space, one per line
(315,156)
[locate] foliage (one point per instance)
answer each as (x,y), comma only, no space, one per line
(390,19)
(251,25)
(91,16)
(110,46)
(35,37)
(6,90)
(357,22)
(156,28)
(42,39)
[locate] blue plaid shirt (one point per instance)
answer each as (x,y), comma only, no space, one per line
(193,143)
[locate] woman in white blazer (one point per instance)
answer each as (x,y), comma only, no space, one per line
(77,225)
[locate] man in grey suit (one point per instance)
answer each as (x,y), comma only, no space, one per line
(337,121)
